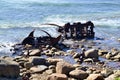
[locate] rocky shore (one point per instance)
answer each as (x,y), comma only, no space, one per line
(81,61)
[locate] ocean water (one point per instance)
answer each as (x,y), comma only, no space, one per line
(19,17)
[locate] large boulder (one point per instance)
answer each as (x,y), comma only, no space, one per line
(91,53)
(78,74)
(57,76)
(95,77)
(9,69)
(64,67)
(35,60)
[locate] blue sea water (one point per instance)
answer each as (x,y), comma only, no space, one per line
(19,17)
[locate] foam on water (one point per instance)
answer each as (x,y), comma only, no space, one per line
(19,17)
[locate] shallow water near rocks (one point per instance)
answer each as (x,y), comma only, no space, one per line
(69,59)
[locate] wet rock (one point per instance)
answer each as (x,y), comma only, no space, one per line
(91,53)
(37,60)
(35,52)
(38,69)
(53,61)
(64,67)
(95,77)
(8,58)
(57,76)
(78,74)
(9,69)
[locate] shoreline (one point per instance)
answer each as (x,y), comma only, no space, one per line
(50,63)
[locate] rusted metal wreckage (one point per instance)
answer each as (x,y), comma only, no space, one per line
(76,31)
(38,41)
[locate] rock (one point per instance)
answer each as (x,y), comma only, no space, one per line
(21,63)
(77,65)
(76,55)
(106,72)
(77,60)
(50,71)
(37,60)
(57,76)
(78,74)
(9,69)
(71,52)
(57,53)
(64,67)
(38,69)
(50,53)
(111,77)
(28,65)
(115,76)
(89,60)
(35,52)
(53,61)
(108,56)
(117,73)
(118,39)
(95,77)
(117,57)
(91,53)
(52,67)
(114,53)
(54,49)
(102,52)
